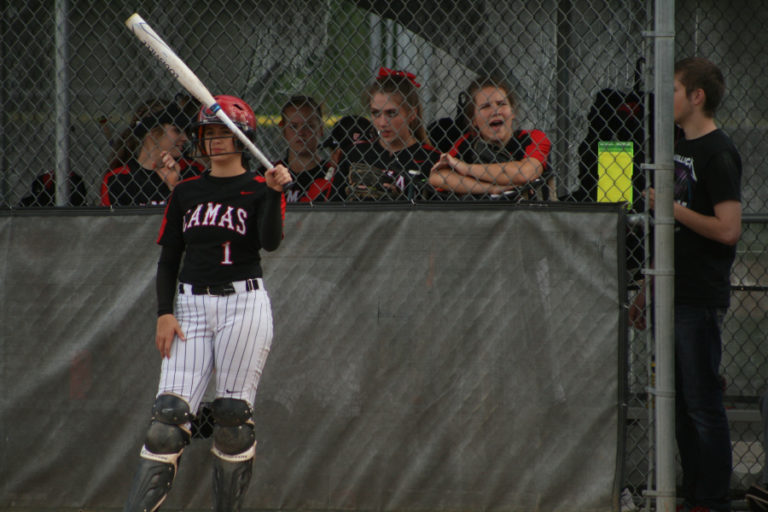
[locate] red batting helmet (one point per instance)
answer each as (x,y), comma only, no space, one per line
(238,111)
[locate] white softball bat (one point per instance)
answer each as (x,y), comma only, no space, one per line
(188,79)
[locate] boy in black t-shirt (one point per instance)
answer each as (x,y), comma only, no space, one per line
(707,213)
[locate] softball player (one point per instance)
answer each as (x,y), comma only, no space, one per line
(301,123)
(492,160)
(395,162)
(222,321)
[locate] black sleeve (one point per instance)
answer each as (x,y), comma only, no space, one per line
(271,220)
(38,195)
(113,185)
(463,150)
(725,177)
(78,193)
(167,273)
(339,180)
(122,190)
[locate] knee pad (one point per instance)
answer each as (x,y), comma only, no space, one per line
(171,409)
(166,435)
(233,434)
(230,412)
(166,439)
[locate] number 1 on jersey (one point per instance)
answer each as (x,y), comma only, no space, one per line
(227,260)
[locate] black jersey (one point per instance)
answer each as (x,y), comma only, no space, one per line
(43,191)
(312,185)
(370,172)
(221,224)
(472,149)
(523,144)
(134,185)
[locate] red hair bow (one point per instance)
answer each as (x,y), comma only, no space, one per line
(385,72)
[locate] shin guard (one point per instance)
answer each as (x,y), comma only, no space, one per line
(151,483)
(231,476)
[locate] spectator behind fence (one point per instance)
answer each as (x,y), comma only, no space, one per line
(43,191)
(138,176)
(395,162)
(301,122)
(707,212)
(492,160)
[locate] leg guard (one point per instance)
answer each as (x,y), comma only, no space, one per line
(234,446)
(230,481)
(151,484)
(160,454)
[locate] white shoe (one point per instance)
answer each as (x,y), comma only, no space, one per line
(626,501)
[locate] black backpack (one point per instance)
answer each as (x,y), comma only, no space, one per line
(615,115)
(444,132)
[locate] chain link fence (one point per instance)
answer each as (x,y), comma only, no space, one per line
(82,98)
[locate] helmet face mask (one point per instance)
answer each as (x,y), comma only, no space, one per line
(209,133)
(237,110)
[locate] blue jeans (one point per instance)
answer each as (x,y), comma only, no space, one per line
(701,426)
(764,414)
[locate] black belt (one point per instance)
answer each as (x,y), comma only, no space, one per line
(221,289)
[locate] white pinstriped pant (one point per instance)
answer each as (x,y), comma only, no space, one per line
(227,335)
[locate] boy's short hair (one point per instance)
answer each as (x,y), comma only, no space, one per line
(700,73)
(300,102)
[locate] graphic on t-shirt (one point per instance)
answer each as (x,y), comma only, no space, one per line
(685,180)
